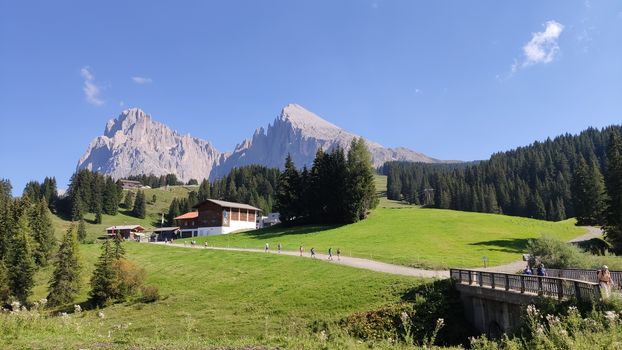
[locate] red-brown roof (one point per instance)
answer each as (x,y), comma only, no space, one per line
(190,215)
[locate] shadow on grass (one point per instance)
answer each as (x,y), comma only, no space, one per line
(515,245)
(280,230)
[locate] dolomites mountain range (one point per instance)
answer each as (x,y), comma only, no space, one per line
(134,144)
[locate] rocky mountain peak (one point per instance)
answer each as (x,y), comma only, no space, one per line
(126,120)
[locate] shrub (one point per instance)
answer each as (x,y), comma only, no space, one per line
(150,293)
(129,278)
(554,253)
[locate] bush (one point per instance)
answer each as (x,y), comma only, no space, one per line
(555,253)
(428,312)
(150,293)
(129,278)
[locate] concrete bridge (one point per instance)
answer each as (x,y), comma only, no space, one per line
(493,301)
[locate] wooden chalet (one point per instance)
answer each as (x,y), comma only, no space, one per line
(218,217)
(126,231)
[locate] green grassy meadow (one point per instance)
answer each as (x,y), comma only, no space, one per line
(428,238)
(381,186)
(219,297)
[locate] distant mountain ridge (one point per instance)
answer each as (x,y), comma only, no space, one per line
(134,144)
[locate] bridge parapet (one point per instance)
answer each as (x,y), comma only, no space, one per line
(555,287)
(584,275)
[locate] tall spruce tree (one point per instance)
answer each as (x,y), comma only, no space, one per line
(361,190)
(287,194)
(22,264)
(118,251)
(128,202)
(204,191)
(81,235)
(103,278)
(5,291)
(588,193)
(42,232)
(65,282)
(613,182)
(140,205)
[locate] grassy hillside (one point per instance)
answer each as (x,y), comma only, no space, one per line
(381,187)
(429,238)
(220,297)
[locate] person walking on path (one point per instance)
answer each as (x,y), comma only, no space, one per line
(313,252)
(267,247)
(604,279)
(301,250)
(205,244)
(338,254)
(330,253)
(279,247)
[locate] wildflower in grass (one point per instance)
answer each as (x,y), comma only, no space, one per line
(611,316)
(440,323)
(15,306)
(552,319)
(532,311)
(404,317)
(101,315)
(77,309)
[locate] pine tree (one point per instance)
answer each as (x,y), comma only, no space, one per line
(64,284)
(360,188)
(204,190)
(81,231)
(140,210)
(588,193)
(110,197)
(129,200)
(98,213)
(287,195)
(5,291)
(613,182)
(42,233)
(118,251)
(103,278)
(22,264)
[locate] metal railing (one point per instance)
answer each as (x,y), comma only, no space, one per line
(555,287)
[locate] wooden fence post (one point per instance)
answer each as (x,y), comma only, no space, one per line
(479,277)
(507,282)
(522,283)
(560,289)
(492,280)
(577,290)
(470,277)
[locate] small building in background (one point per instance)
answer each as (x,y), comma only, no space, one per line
(126,231)
(218,217)
(130,184)
(165,234)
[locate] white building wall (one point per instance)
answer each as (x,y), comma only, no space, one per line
(234,225)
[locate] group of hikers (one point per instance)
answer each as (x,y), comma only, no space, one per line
(301,250)
(603,276)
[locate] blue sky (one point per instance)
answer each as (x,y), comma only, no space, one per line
(452,79)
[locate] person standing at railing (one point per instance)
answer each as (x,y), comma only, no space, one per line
(604,279)
(527,271)
(541,271)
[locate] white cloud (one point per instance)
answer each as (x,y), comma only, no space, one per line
(91,90)
(142,80)
(542,47)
